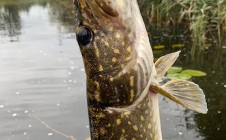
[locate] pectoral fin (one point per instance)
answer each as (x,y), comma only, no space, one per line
(185,93)
(164,63)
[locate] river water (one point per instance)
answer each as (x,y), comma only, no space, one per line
(42,75)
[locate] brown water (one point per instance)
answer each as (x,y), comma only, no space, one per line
(42,74)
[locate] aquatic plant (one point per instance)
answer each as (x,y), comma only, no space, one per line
(178,73)
(206,19)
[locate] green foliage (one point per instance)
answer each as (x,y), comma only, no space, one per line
(174,70)
(177,73)
(206,18)
(177,45)
(180,76)
(194,73)
(159,47)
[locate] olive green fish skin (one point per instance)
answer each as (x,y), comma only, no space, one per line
(109,54)
(114,76)
(138,124)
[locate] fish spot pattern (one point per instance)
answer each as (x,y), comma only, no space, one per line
(112,55)
(134,124)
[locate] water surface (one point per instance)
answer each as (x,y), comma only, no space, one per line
(42,74)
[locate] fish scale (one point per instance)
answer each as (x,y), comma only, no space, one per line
(122,79)
(125,125)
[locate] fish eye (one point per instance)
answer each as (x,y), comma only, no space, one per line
(84,36)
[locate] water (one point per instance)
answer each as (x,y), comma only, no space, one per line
(42,74)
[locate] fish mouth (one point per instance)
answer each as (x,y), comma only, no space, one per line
(105,8)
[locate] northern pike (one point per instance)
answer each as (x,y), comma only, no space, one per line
(122,79)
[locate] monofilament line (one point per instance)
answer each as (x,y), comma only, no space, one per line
(52,129)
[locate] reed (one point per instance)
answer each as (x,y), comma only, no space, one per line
(206,18)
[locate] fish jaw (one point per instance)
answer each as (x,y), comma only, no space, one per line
(101,11)
(110,54)
(119,64)
(113,37)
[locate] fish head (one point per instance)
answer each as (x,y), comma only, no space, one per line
(108,34)
(105,36)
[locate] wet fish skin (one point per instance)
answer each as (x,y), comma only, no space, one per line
(111,57)
(116,72)
(120,70)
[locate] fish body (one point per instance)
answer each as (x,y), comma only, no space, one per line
(121,75)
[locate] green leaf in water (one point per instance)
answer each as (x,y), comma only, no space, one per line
(174,70)
(178,45)
(180,76)
(194,72)
(157,47)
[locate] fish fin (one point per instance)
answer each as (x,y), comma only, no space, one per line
(134,105)
(185,93)
(164,63)
(131,107)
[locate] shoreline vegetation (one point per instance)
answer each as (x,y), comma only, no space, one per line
(172,24)
(205,20)
(168,21)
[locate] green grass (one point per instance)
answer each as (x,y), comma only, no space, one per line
(206,18)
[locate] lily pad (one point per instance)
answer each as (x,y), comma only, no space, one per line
(174,70)
(178,45)
(180,76)
(194,72)
(159,47)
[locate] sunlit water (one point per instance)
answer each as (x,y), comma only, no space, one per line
(42,74)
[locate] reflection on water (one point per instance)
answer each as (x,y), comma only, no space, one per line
(10,23)
(41,73)
(213,125)
(213,61)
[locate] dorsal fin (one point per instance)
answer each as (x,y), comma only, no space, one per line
(164,63)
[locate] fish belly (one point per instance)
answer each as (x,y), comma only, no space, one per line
(141,123)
